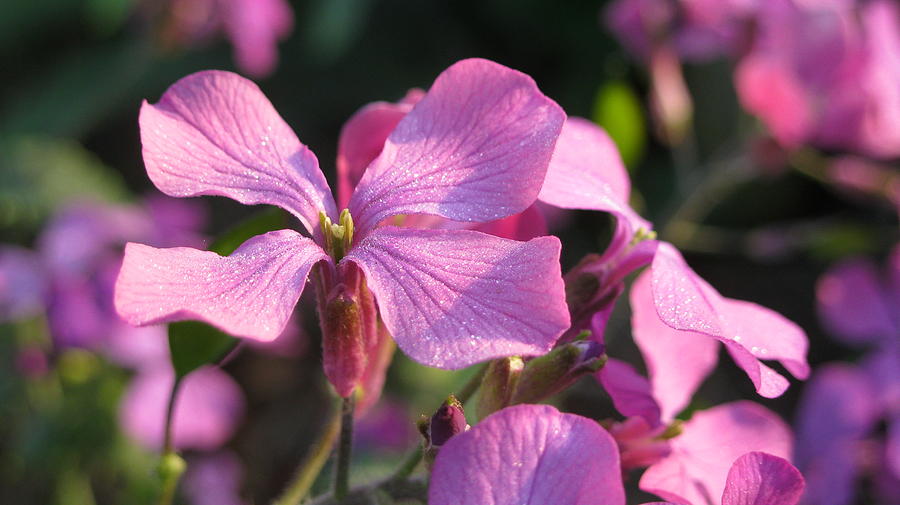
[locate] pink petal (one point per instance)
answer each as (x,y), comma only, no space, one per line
(362,139)
(677,361)
(214,479)
(757,478)
(254,27)
(22,283)
(630,392)
(525,225)
(452,298)
(207,409)
(528,455)
(684,301)
(475,148)
(853,305)
(250,293)
(585,169)
(710,443)
(215,133)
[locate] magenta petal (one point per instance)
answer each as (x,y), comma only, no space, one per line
(757,478)
(528,455)
(630,391)
(362,139)
(215,133)
(586,170)
(684,301)
(475,148)
(853,305)
(677,361)
(250,293)
(207,409)
(710,443)
(452,298)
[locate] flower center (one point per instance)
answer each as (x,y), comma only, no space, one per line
(338,236)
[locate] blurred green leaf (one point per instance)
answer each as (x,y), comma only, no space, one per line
(838,241)
(38,175)
(618,110)
(108,15)
(270,219)
(194,344)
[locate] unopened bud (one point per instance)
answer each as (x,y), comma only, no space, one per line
(343,343)
(499,383)
(171,466)
(448,421)
(560,368)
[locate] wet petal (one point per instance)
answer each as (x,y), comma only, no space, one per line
(710,443)
(250,293)
(475,148)
(452,298)
(215,133)
(529,455)
(684,301)
(757,478)
(630,391)
(677,361)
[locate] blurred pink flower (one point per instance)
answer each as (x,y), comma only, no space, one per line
(214,479)
(253,26)
(825,73)
(475,148)
(208,408)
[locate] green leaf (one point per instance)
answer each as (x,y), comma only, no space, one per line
(619,111)
(38,175)
(270,219)
(194,344)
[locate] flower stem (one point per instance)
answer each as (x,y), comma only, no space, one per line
(465,394)
(171,466)
(345,449)
(312,464)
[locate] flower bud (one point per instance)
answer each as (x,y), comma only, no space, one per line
(560,368)
(343,342)
(499,383)
(449,420)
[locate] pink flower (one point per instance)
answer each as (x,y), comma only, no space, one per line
(682,316)
(253,26)
(207,409)
(475,149)
(825,73)
(697,469)
(758,478)
(528,454)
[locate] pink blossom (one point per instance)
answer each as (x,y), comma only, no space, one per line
(697,468)
(758,478)
(825,73)
(253,26)
(528,454)
(207,409)
(475,148)
(214,479)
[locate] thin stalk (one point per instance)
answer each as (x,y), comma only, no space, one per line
(171,465)
(312,464)
(408,466)
(465,394)
(345,450)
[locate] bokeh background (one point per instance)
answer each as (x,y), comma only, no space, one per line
(758,222)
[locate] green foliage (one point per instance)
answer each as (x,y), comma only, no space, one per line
(269,219)
(39,175)
(194,344)
(619,111)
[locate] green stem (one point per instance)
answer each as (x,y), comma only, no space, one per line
(408,466)
(345,449)
(465,394)
(171,466)
(313,463)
